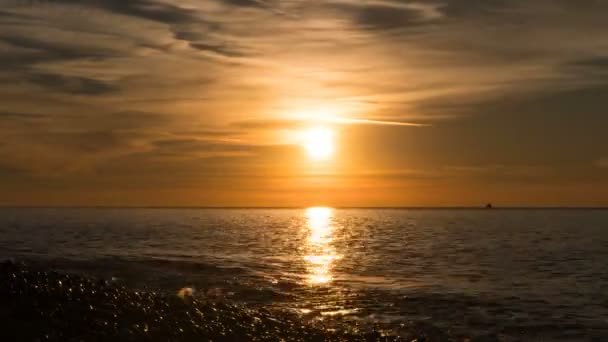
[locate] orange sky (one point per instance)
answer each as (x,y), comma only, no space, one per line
(190,103)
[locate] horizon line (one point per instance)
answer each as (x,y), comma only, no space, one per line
(306,207)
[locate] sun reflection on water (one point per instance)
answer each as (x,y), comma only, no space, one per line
(321,255)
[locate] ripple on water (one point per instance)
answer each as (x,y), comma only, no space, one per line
(463,269)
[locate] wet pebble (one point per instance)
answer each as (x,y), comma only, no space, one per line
(40,305)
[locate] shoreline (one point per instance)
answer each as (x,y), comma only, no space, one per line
(45,305)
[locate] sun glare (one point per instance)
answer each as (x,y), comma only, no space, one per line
(319,143)
(321,254)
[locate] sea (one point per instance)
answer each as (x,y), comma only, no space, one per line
(515,274)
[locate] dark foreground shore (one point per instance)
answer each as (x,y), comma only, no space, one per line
(42,305)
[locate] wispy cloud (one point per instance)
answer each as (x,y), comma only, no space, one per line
(10,115)
(348,121)
(72,84)
(387,15)
(303,122)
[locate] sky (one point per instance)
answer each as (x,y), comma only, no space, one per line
(205,103)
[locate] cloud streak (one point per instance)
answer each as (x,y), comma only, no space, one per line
(374,122)
(300,123)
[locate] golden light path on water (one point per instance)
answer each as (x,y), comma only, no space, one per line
(321,255)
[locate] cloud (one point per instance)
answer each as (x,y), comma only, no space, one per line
(199,146)
(268,124)
(602,163)
(219,49)
(73,85)
(35,50)
(245,3)
(131,120)
(383,17)
(299,123)
(545,102)
(9,115)
(188,24)
(71,143)
(388,15)
(160,11)
(374,122)
(593,62)
(9,171)
(500,171)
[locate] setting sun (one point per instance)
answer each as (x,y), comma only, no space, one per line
(319,143)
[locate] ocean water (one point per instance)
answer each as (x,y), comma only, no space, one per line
(512,274)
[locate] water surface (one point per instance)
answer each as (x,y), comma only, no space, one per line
(512,273)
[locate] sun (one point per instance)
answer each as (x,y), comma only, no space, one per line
(319,143)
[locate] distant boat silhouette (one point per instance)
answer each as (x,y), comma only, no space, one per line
(489,206)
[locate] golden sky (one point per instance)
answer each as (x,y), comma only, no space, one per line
(218,102)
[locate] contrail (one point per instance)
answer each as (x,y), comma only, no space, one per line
(373,122)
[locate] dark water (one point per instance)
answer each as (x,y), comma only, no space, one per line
(531,274)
